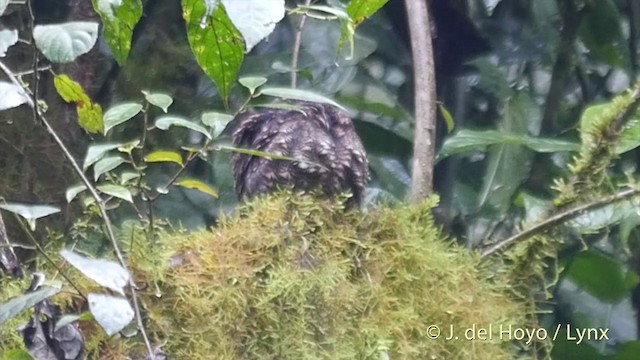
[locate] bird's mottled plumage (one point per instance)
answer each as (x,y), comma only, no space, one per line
(321,134)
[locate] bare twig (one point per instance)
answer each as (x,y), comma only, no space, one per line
(560,218)
(295,54)
(100,203)
(425,99)
(8,258)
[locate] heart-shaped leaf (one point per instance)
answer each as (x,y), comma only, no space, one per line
(62,43)
(163,101)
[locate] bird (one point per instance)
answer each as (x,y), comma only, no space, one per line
(322,149)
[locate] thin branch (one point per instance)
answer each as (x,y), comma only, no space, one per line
(560,218)
(99,202)
(8,258)
(296,48)
(425,99)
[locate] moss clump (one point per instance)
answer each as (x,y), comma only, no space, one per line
(289,277)
(292,278)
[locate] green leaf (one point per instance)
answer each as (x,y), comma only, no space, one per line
(629,137)
(111,312)
(254,19)
(119,114)
(96,152)
(105,165)
(600,276)
(165,122)
(360,10)
(118,191)
(473,140)
(106,273)
(252,82)
(601,32)
(448,119)
(119,19)
(89,114)
(73,191)
(163,101)
(30,212)
(298,94)
(65,320)
(216,43)
(164,156)
(8,38)
(197,185)
(127,176)
(17,305)
(15,354)
(216,121)
(62,43)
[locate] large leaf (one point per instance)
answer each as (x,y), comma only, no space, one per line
(89,114)
(215,42)
(600,276)
(8,38)
(21,303)
(30,212)
(165,122)
(62,43)
(119,18)
(297,94)
(255,19)
(104,272)
(11,96)
(473,140)
(360,10)
(119,114)
(111,312)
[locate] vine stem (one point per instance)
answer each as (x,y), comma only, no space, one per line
(96,196)
(560,218)
(295,54)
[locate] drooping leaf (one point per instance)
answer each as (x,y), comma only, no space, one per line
(197,185)
(164,156)
(30,212)
(73,191)
(119,114)
(252,82)
(163,101)
(105,165)
(66,320)
(8,37)
(128,147)
(215,42)
(11,95)
(111,312)
(254,19)
(96,152)
(297,94)
(165,122)
(62,43)
(21,303)
(119,18)
(360,10)
(216,121)
(118,191)
(104,272)
(127,176)
(448,119)
(89,114)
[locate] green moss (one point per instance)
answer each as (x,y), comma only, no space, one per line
(289,277)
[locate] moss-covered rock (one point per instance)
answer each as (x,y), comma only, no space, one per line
(289,277)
